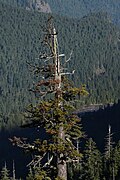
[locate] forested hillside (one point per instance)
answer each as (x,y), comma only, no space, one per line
(80,8)
(75,8)
(95,152)
(93,40)
(31,5)
(98,121)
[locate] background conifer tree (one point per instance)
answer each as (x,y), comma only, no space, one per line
(5,173)
(92,162)
(116,159)
(30,174)
(108,162)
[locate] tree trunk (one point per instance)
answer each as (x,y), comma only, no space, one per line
(61,163)
(62,173)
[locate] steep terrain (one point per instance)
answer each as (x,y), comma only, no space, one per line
(80,8)
(94,41)
(36,5)
(95,45)
(72,8)
(96,124)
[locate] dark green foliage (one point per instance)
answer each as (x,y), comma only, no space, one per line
(111,165)
(75,8)
(75,170)
(80,8)
(55,114)
(95,165)
(92,162)
(116,160)
(37,174)
(98,121)
(30,175)
(4,173)
(95,45)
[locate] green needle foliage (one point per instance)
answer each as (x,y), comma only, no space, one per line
(95,44)
(92,162)
(116,159)
(111,164)
(5,173)
(54,112)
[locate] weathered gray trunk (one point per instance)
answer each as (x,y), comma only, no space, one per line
(62,173)
(61,163)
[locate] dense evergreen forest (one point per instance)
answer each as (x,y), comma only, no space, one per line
(75,8)
(99,121)
(93,41)
(93,124)
(93,45)
(80,8)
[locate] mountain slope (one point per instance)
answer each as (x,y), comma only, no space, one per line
(96,124)
(95,44)
(72,8)
(80,8)
(36,5)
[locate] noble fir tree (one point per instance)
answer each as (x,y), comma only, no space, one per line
(92,162)
(111,158)
(30,174)
(54,112)
(5,173)
(116,160)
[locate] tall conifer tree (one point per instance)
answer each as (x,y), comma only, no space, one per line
(54,112)
(5,173)
(92,162)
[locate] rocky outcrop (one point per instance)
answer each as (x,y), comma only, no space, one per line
(38,5)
